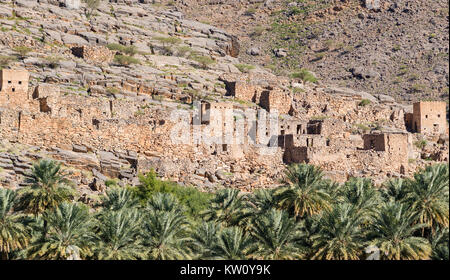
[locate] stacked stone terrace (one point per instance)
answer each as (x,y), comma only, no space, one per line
(42,116)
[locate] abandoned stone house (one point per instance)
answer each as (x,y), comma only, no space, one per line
(428,117)
(395,148)
(42,116)
(394,143)
(267,95)
(13,80)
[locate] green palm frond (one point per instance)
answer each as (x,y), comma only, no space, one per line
(233,244)
(429,194)
(48,188)
(14,234)
(304,193)
(393,233)
(340,236)
(164,235)
(69,236)
(118,198)
(204,238)
(277,235)
(119,235)
(227,208)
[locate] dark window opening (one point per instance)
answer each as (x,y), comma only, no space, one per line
(9,82)
(224,147)
(372,144)
(20,82)
(96,123)
(13,90)
(299,128)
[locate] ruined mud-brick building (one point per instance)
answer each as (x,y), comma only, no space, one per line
(41,116)
(267,94)
(428,117)
(94,54)
(13,81)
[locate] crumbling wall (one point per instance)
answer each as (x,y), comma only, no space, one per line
(275,99)
(13,81)
(376,142)
(429,117)
(94,54)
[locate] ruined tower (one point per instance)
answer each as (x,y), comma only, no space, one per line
(13,80)
(428,117)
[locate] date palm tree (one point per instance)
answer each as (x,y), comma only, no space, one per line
(118,234)
(69,236)
(340,236)
(165,235)
(261,201)
(14,234)
(204,238)
(361,193)
(440,244)
(256,204)
(233,244)
(164,202)
(117,198)
(48,188)
(429,196)
(226,207)
(393,233)
(395,189)
(303,193)
(276,235)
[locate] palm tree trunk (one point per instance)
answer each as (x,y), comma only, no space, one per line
(4,256)
(45,228)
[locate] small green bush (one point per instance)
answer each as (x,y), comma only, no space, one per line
(420,144)
(258,31)
(194,200)
(364,102)
(52,61)
(125,60)
(22,51)
(244,68)
(204,61)
(6,60)
(112,90)
(304,75)
(129,50)
(111,183)
(250,11)
(184,50)
(168,40)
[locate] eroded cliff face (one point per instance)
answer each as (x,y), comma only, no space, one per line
(398,48)
(102,91)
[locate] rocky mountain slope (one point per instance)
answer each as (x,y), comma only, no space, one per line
(130,63)
(394,47)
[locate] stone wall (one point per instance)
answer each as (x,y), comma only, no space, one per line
(13,80)
(275,99)
(94,54)
(429,117)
